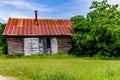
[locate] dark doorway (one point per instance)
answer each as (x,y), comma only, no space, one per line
(48,46)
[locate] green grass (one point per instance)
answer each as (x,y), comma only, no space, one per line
(56,68)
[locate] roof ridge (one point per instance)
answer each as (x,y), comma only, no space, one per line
(40,18)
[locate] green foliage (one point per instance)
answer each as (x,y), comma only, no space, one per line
(58,53)
(99,32)
(3,43)
(36,56)
(80,24)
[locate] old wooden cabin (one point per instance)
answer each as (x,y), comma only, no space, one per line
(37,36)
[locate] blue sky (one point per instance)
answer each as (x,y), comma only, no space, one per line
(54,9)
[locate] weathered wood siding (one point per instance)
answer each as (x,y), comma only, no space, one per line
(15,46)
(64,44)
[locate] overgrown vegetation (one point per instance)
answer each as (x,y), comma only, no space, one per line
(3,44)
(59,69)
(99,32)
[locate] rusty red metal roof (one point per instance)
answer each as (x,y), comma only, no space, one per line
(46,27)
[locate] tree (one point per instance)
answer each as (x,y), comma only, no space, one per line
(99,32)
(3,43)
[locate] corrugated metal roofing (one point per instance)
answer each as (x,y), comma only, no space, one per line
(46,27)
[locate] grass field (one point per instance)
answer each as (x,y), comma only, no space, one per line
(60,68)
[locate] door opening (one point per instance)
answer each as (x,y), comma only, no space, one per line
(48,46)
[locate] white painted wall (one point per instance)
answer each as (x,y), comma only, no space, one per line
(54,45)
(37,46)
(41,50)
(31,46)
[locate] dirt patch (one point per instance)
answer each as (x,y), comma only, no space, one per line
(6,78)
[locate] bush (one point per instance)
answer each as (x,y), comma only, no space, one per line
(3,43)
(98,33)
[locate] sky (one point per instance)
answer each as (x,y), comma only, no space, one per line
(52,9)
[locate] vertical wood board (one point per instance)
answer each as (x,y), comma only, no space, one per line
(54,45)
(31,46)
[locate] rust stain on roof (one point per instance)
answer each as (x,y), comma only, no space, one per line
(46,27)
(20,21)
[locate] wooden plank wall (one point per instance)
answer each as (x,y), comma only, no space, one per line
(64,44)
(15,46)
